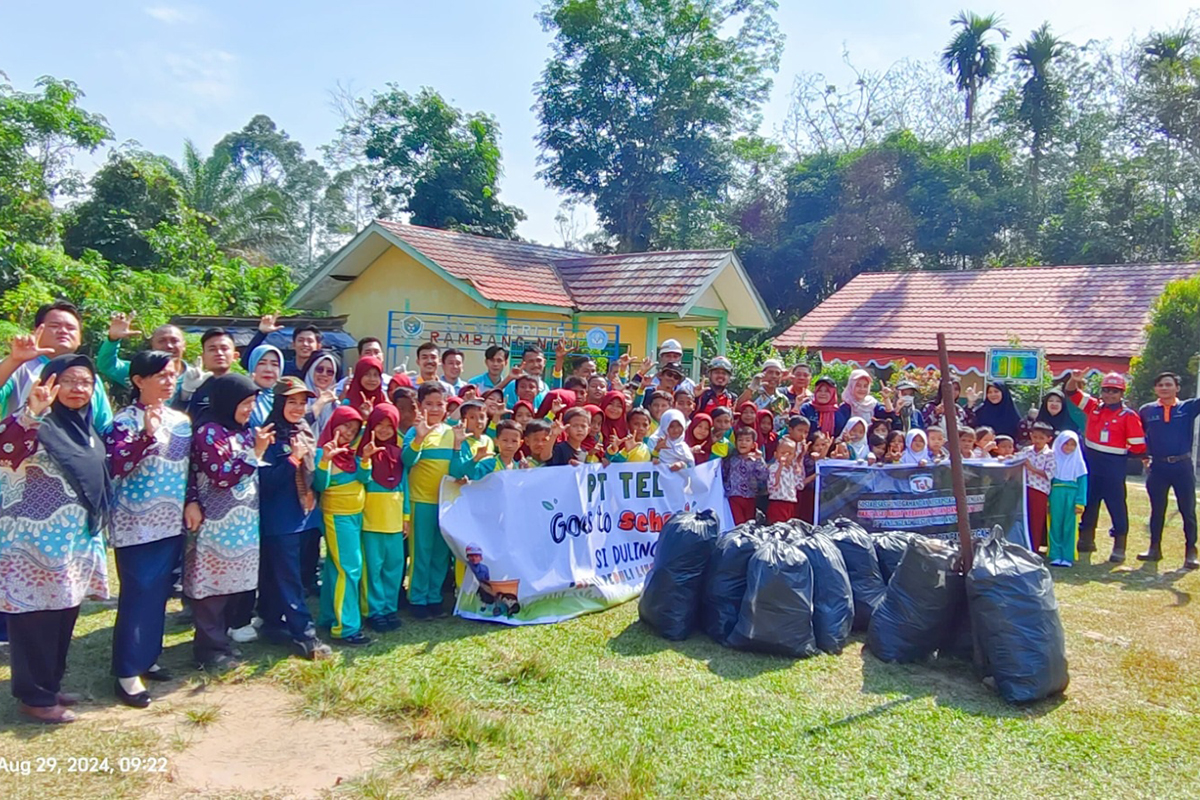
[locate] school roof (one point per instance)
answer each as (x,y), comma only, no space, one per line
(501,271)
(1083,316)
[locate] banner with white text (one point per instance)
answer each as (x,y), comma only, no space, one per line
(921,499)
(548,544)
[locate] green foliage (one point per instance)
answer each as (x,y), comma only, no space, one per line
(640,102)
(973,60)
(434,161)
(130,195)
(1172,339)
(747,357)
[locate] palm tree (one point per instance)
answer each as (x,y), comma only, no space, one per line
(244,221)
(1042,97)
(973,60)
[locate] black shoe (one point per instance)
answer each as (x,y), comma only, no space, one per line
(438,611)
(394,620)
(161,675)
(1086,544)
(1118,551)
(313,649)
(1153,554)
(379,624)
(139,700)
(359,639)
(421,612)
(1189,560)
(221,663)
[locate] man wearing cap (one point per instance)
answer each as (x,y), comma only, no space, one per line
(764,390)
(798,392)
(907,414)
(671,352)
(718,394)
(1170,425)
(1113,433)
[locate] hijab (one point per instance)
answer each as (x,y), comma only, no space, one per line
(770,439)
(614,427)
(707,442)
(386,469)
(225,394)
(524,403)
(672,451)
(285,431)
(67,436)
(866,407)
(356,395)
(860,449)
(256,355)
(568,398)
(826,412)
(144,364)
(310,367)
(589,441)
(737,422)
(1062,421)
(1002,417)
(347,461)
(1068,466)
(265,402)
(911,459)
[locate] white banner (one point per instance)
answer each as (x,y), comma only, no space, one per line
(552,543)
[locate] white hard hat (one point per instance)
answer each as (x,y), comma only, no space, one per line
(670,346)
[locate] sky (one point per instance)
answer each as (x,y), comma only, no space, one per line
(162,71)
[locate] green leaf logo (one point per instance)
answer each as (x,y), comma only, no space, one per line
(546,505)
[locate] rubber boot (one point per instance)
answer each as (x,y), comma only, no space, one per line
(1190,561)
(1118,553)
(1154,553)
(1087,542)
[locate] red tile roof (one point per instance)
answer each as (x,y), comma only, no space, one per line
(1070,311)
(515,272)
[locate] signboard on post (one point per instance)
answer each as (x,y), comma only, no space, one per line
(1014,365)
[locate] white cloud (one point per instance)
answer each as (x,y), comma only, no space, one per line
(173,15)
(178,86)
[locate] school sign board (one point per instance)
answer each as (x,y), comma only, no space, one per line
(548,544)
(1020,365)
(921,499)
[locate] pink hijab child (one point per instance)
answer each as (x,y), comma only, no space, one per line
(857,396)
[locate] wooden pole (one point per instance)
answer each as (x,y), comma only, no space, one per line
(950,415)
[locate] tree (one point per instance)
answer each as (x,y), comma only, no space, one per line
(426,158)
(39,131)
(1043,98)
(640,101)
(130,195)
(1172,339)
(973,60)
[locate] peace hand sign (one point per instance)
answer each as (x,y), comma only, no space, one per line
(42,396)
(370,449)
(368,405)
(421,423)
(264,437)
(460,435)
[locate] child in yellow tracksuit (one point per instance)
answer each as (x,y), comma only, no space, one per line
(427,452)
(383,519)
(340,478)
(633,448)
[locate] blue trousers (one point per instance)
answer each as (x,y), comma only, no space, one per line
(146,573)
(281,589)
(1106,483)
(1161,479)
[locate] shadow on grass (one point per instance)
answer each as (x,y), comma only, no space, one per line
(1147,577)
(639,639)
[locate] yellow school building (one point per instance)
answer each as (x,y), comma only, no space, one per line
(407,284)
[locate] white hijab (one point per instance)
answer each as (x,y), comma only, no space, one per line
(1068,466)
(911,459)
(672,451)
(866,407)
(862,448)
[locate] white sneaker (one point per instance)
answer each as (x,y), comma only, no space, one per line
(256,622)
(244,634)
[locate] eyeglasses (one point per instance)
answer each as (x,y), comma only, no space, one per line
(1109,390)
(77,383)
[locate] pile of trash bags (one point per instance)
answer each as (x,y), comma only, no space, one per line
(794,590)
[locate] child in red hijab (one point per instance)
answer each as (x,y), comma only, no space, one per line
(383,517)
(366,387)
(767,437)
(699,437)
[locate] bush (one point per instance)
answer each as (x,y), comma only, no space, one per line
(1171,340)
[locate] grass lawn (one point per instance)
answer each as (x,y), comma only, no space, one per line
(599,706)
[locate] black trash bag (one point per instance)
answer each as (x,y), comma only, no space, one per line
(833,599)
(670,601)
(960,640)
(1014,616)
(862,565)
(777,609)
(889,549)
(725,581)
(922,599)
